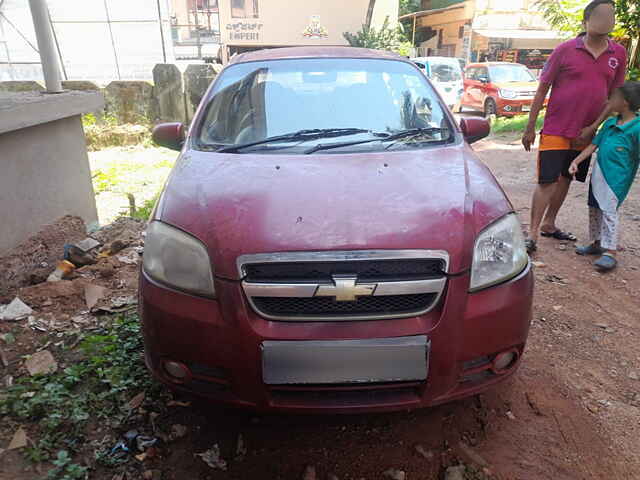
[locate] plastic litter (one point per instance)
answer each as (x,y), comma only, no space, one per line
(63,270)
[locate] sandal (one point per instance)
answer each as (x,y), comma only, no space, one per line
(531,245)
(590,249)
(605,263)
(560,235)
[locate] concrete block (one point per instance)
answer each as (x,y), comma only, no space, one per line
(20,86)
(167,90)
(197,78)
(83,85)
(130,101)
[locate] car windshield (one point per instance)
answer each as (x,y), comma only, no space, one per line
(510,74)
(354,99)
(444,72)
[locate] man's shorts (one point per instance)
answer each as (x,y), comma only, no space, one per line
(555,156)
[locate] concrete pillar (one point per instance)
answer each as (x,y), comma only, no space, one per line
(46,45)
(167,89)
(197,79)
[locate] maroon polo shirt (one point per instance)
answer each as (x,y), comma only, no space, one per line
(581,85)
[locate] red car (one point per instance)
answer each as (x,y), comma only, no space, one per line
(498,88)
(328,242)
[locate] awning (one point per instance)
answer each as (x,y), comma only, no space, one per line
(521,34)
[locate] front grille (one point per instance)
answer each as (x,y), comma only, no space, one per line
(343,285)
(369,270)
(383,305)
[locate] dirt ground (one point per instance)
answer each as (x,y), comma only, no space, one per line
(571,412)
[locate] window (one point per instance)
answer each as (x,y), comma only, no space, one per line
(471,73)
(244,8)
(511,74)
(253,101)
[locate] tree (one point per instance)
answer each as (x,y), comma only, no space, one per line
(372,5)
(565,16)
(409,6)
(386,38)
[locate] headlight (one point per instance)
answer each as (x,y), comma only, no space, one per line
(177,259)
(499,253)
(509,94)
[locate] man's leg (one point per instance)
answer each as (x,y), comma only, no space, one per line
(559,195)
(541,200)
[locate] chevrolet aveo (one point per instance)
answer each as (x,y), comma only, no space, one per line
(328,242)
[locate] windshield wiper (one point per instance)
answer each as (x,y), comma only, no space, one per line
(300,135)
(381,138)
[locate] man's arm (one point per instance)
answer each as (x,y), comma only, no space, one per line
(587,133)
(529,136)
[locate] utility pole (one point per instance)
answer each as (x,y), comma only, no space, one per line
(46,45)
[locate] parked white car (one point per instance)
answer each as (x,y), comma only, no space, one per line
(446,75)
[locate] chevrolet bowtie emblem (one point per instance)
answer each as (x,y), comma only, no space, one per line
(346,289)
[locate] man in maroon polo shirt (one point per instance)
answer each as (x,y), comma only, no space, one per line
(582,73)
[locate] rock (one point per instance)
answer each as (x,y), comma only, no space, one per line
(93,293)
(212,458)
(19,439)
(472,456)
(16,310)
(636,218)
(539,264)
(136,401)
(562,247)
(455,473)
(510,415)
(241,449)
(87,244)
(41,363)
(634,376)
(395,474)
(557,308)
(77,256)
(609,330)
(178,431)
(601,325)
(309,473)
(152,475)
(428,454)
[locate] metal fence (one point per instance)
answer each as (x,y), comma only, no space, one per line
(98,40)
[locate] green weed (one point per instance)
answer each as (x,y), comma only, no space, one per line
(514,124)
(94,388)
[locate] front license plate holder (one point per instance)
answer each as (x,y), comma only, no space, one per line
(376,360)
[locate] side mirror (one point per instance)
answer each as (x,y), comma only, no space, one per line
(474,129)
(169,135)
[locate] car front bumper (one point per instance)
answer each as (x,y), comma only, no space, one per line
(228,352)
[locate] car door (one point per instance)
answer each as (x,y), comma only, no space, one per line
(469,84)
(483,86)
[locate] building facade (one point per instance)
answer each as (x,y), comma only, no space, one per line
(476,30)
(254,24)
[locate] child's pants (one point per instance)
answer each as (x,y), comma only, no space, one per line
(603,226)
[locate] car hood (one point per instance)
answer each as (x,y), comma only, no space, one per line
(518,86)
(236,204)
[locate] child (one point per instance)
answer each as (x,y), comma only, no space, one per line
(618,146)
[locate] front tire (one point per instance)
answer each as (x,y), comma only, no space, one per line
(490,108)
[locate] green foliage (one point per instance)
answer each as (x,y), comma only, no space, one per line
(65,469)
(95,387)
(386,38)
(409,6)
(144,212)
(565,16)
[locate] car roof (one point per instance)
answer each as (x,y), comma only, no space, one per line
(314,52)
(488,64)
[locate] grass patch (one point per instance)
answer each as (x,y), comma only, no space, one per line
(514,124)
(106,132)
(95,388)
(123,177)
